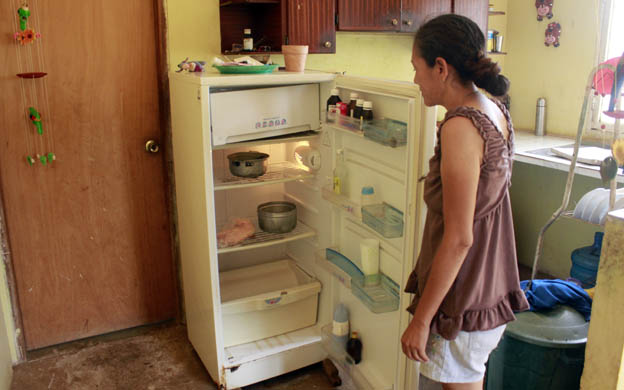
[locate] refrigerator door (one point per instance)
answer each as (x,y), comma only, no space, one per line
(393,171)
(196,223)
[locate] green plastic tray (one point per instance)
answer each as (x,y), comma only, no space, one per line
(235,69)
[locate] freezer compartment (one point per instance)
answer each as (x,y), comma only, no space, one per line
(250,114)
(266,300)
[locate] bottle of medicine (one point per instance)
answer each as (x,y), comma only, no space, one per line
(340,325)
(334,99)
(359,109)
(247,40)
(367,111)
(332,113)
(352,102)
(354,348)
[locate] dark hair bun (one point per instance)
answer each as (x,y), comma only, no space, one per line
(486,75)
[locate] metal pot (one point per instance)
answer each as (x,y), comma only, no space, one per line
(248,164)
(277,217)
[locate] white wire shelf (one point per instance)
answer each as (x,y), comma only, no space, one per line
(263,239)
(281,172)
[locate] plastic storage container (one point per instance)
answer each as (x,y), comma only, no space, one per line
(384,219)
(585,262)
(386,131)
(540,351)
(276,298)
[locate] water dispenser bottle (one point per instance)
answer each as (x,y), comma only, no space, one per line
(585,262)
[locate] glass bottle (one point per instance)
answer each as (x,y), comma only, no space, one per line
(247,40)
(352,102)
(334,99)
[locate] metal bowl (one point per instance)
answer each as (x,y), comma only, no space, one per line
(248,164)
(277,217)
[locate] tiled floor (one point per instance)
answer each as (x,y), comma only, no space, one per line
(150,358)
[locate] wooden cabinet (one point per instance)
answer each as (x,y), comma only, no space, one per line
(368,15)
(312,23)
(477,10)
(415,12)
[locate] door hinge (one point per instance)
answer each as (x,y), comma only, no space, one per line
(198,93)
(286,40)
(336,20)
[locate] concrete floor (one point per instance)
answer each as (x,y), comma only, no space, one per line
(150,358)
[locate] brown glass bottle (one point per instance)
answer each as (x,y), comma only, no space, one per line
(367,113)
(354,348)
(352,102)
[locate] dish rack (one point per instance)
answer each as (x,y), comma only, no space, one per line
(614,112)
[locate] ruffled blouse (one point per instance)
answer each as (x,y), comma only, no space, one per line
(486,292)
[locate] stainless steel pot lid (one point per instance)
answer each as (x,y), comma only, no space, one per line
(246,156)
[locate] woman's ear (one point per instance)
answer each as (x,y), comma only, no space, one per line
(441,68)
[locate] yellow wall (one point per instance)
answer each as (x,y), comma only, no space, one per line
(558,74)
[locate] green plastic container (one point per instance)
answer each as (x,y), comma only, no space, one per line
(235,69)
(540,351)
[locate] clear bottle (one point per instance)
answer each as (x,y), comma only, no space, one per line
(368,196)
(367,111)
(247,40)
(352,102)
(359,109)
(334,99)
(340,174)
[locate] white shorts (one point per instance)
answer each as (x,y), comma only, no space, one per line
(461,360)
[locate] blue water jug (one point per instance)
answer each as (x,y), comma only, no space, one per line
(585,262)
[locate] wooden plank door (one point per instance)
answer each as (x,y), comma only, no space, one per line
(477,10)
(367,15)
(415,12)
(312,23)
(89,233)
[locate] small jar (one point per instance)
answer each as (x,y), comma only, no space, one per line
(332,112)
(367,111)
(359,109)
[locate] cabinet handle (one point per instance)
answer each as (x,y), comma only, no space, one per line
(327,44)
(408,22)
(395,22)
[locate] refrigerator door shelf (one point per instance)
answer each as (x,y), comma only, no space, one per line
(359,374)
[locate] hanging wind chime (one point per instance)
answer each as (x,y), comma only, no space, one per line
(30,64)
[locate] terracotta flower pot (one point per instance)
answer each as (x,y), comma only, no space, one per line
(295,57)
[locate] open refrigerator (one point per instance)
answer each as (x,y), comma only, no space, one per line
(225,320)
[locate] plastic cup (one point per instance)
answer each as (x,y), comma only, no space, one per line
(369,249)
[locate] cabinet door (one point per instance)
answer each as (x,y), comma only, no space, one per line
(415,12)
(367,15)
(312,23)
(477,10)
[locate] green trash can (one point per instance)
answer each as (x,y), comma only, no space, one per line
(540,351)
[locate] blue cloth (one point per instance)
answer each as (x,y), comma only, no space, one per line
(545,294)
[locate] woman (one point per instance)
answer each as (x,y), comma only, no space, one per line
(466,279)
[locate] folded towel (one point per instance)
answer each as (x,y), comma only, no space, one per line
(545,294)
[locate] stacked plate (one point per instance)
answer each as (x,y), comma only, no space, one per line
(594,205)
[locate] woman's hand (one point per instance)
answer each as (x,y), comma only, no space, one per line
(414,340)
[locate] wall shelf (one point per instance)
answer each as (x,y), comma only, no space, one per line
(500,53)
(282,172)
(493,13)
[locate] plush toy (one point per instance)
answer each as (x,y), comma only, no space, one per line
(191,66)
(544,9)
(552,34)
